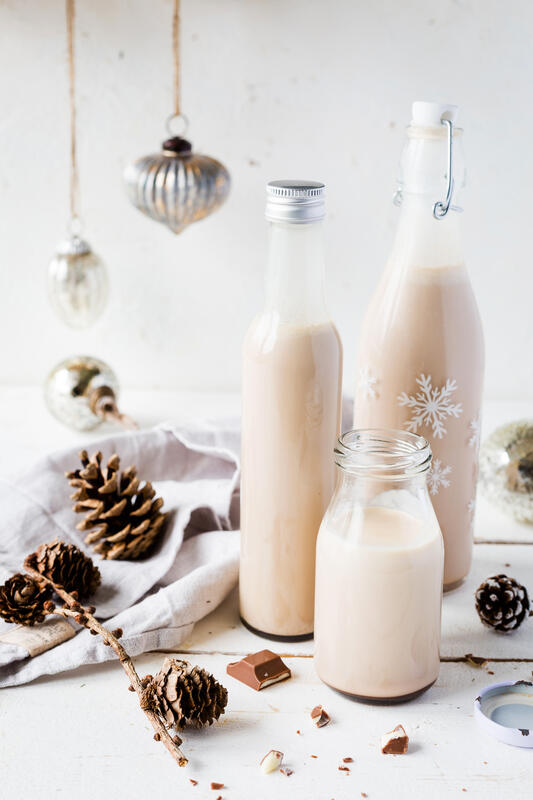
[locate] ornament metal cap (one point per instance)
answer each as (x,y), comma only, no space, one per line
(295,201)
(73,246)
(178,146)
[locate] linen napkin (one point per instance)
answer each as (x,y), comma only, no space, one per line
(156,600)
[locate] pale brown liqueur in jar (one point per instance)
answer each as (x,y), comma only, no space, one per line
(379,571)
(291,396)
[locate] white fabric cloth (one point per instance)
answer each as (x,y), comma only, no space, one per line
(157,600)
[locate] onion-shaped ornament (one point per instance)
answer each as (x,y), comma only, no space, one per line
(77,283)
(81,392)
(177,187)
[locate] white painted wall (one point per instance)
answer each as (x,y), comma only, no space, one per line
(286,88)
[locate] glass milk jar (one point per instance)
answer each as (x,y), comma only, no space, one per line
(379,567)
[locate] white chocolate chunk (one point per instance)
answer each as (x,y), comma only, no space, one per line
(271,762)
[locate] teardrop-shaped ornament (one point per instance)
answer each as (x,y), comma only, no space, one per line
(77,283)
(177,186)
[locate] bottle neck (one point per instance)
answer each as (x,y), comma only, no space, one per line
(422,240)
(295,272)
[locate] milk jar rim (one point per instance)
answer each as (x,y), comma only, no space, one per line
(385,453)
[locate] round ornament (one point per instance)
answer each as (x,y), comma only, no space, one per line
(177,186)
(77,283)
(506,469)
(81,392)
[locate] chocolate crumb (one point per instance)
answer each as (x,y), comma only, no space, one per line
(348,760)
(314,756)
(216,785)
(299,733)
(320,717)
(475,661)
(194,783)
(219,797)
(344,769)
(286,771)
(364,794)
(490,672)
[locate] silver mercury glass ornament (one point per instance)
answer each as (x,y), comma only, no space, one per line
(81,392)
(177,187)
(506,469)
(77,283)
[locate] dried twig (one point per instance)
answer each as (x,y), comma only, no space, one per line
(74,610)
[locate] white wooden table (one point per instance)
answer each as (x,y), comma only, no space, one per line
(81,735)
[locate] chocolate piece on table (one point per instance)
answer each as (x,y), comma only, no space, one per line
(286,771)
(259,670)
(395,742)
(320,717)
(475,661)
(215,785)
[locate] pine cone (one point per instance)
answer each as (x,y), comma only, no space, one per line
(502,603)
(22,600)
(66,566)
(183,694)
(124,520)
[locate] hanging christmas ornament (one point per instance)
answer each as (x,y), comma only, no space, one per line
(177,186)
(82,392)
(77,278)
(77,283)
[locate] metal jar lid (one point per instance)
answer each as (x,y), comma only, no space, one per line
(295,201)
(505,711)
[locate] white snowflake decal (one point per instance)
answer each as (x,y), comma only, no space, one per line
(431,405)
(475,433)
(366,383)
(438,476)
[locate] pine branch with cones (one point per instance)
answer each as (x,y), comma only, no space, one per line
(58,576)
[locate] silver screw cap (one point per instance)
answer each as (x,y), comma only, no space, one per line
(295,201)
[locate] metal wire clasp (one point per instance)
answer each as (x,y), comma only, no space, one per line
(441,208)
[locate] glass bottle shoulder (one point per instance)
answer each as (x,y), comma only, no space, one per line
(269,332)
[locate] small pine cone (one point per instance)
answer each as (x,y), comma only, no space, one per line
(123,518)
(502,603)
(184,694)
(22,600)
(66,566)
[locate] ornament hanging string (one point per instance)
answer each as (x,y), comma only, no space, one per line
(74,180)
(177,114)
(176,55)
